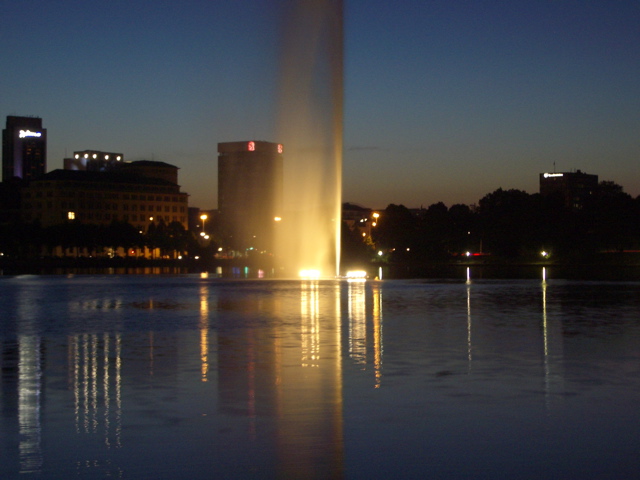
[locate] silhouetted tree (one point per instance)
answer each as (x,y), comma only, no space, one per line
(395,231)
(355,251)
(509,222)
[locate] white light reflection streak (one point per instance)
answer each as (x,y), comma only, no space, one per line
(357,323)
(552,340)
(29,389)
(94,382)
(310,328)
(118,390)
(469,342)
(545,338)
(105,386)
(91,357)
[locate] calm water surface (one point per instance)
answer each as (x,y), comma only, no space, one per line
(191,377)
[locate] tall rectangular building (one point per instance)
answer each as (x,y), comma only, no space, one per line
(24,148)
(574,187)
(250,183)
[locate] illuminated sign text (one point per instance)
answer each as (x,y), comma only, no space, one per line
(29,133)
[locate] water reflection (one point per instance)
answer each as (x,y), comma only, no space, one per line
(30,360)
(310,437)
(553,350)
(377,333)
(310,324)
(29,388)
(204,330)
(314,378)
(469,343)
(97,385)
(357,323)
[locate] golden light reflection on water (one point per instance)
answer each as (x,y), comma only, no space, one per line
(357,322)
(310,324)
(204,331)
(377,333)
(309,388)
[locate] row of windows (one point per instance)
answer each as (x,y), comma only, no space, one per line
(127,218)
(111,206)
(114,196)
(114,216)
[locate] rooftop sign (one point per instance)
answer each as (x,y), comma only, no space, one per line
(29,133)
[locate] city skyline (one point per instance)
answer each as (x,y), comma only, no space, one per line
(442,102)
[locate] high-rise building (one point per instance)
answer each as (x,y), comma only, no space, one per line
(250,182)
(24,148)
(574,187)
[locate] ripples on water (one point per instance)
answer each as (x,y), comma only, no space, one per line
(182,376)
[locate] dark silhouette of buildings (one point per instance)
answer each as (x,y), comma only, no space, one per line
(24,148)
(250,183)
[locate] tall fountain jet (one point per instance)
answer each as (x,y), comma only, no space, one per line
(310,128)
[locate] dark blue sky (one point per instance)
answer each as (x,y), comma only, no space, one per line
(444,100)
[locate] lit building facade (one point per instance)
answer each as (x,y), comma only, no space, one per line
(24,148)
(574,187)
(250,189)
(140,193)
(358,218)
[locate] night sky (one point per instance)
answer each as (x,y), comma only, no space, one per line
(444,100)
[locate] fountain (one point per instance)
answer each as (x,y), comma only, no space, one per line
(310,128)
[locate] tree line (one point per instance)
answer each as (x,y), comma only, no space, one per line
(505,224)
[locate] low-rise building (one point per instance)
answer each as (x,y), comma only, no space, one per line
(140,193)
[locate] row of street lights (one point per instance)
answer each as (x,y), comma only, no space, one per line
(203,217)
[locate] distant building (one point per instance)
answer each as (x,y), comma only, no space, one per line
(140,193)
(574,187)
(250,183)
(93,160)
(359,218)
(24,148)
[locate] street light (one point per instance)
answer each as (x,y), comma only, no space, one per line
(203,217)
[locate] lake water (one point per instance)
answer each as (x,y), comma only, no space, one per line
(120,376)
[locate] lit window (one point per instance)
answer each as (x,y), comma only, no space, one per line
(71,215)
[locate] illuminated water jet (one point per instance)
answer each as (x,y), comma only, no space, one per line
(310,127)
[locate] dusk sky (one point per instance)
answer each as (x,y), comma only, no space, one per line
(444,100)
